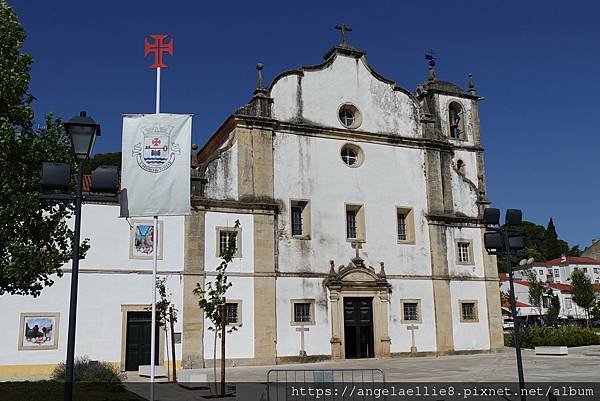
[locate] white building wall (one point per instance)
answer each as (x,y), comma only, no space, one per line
(465,233)
(222,173)
(425,338)
(99,316)
(317,338)
(240,342)
(470,335)
(244,264)
(390,177)
(110,240)
(347,79)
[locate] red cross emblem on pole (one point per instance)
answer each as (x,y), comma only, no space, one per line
(158,48)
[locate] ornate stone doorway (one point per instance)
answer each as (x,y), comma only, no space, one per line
(359,300)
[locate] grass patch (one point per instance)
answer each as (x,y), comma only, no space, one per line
(54,391)
(569,336)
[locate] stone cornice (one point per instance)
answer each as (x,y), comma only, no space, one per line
(257,206)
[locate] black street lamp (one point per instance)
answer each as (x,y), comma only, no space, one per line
(83,131)
(56,177)
(507,241)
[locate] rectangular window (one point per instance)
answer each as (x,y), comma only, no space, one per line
(405,225)
(225,235)
(300,218)
(402,234)
(556,273)
(355,223)
(303,312)
(296,220)
(351,223)
(541,272)
(463,250)
(468,311)
(584,269)
(411,311)
(596,270)
(233,312)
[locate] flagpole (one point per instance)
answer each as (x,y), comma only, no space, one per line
(154,269)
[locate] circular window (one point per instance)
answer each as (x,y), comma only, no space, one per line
(351,155)
(349,115)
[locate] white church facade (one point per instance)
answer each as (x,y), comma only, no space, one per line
(360,234)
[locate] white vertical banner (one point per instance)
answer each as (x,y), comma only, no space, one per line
(155,178)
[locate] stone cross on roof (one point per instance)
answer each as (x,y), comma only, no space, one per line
(343,28)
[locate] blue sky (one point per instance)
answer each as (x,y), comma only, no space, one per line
(535,63)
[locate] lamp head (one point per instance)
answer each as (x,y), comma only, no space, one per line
(82,131)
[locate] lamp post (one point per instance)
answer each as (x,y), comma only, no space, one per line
(507,241)
(55,183)
(82,131)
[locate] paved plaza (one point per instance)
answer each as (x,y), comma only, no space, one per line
(581,365)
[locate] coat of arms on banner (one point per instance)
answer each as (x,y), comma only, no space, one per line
(156,152)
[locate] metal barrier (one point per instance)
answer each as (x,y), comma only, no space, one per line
(324,384)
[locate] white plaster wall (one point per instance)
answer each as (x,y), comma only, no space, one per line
(317,338)
(469,336)
(467,233)
(99,316)
(425,338)
(240,343)
(311,168)
(213,220)
(464,195)
(444,102)
(110,240)
(222,174)
(346,79)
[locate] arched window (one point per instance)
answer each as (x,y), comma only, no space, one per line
(456,121)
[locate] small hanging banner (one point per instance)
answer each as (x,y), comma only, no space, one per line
(156,165)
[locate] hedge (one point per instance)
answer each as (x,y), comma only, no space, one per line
(569,336)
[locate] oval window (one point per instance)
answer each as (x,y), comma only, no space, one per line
(349,116)
(351,155)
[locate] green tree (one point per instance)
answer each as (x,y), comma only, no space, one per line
(536,293)
(584,293)
(213,302)
(35,240)
(553,308)
(552,246)
(101,159)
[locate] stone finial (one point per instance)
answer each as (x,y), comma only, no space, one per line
(382,270)
(343,29)
(260,86)
(194,146)
(430,57)
(332,268)
(472,90)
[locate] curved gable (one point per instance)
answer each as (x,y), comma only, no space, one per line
(313,95)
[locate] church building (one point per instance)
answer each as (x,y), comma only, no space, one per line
(359,205)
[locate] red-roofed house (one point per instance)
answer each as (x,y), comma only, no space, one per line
(568,308)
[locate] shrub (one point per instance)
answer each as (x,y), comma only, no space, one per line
(570,336)
(86,370)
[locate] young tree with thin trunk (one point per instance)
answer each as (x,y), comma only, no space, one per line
(213,303)
(536,293)
(166,315)
(584,293)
